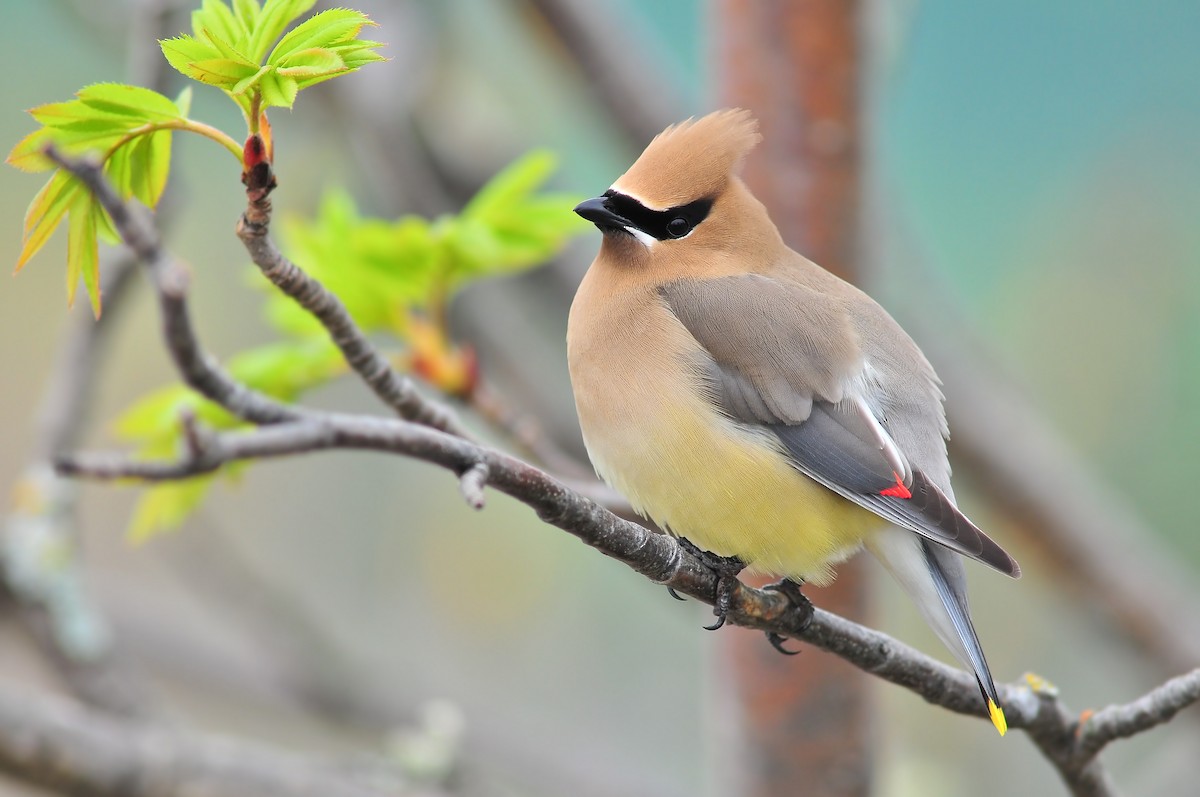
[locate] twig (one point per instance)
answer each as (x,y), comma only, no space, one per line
(627,83)
(62,746)
(1156,707)
(471,483)
(656,556)
(526,432)
(394,389)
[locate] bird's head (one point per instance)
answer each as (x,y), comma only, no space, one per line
(683,197)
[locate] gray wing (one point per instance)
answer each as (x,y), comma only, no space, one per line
(768,369)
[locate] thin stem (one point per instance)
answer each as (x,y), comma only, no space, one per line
(191,125)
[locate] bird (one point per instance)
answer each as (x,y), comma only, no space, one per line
(750,402)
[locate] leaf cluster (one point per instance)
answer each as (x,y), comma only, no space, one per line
(231,48)
(131,126)
(242,49)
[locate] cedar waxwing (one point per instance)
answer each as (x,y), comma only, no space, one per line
(747,400)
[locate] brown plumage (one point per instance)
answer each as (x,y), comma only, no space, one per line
(745,398)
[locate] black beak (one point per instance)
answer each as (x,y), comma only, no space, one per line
(597,212)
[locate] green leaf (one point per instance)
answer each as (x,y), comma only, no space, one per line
(311,63)
(183,102)
(377,268)
(508,227)
(98,219)
(223,72)
(83,256)
(215,18)
(245,84)
(276,16)
(281,370)
(105,228)
(164,507)
(227,47)
(130,126)
(27,154)
(45,213)
(278,90)
(512,183)
(246,12)
(137,103)
(182,52)
(285,370)
(322,30)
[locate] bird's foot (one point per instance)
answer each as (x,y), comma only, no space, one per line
(800,602)
(726,569)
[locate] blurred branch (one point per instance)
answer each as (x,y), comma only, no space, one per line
(42,566)
(63,746)
(656,556)
(627,84)
(526,432)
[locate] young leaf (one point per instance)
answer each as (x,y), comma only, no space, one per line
(45,212)
(137,103)
(83,257)
(130,126)
(27,154)
(281,370)
(164,507)
(275,18)
(227,49)
(322,30)
(312,62)
(376,267)
(97,221)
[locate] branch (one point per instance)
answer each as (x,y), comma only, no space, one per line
(170,280)
(394,389)
(1156,707)
(1035,708)
(656,556)
(63,746)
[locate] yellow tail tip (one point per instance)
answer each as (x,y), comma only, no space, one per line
(997,716)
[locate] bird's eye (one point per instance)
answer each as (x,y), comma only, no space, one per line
(678,227)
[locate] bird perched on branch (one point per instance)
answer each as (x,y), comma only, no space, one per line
(747,400)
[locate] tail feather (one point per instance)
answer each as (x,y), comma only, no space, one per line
(955,603)
(933,576)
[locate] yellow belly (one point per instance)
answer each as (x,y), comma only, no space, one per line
(728,490)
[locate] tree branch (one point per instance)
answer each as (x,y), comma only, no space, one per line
(659,557)
(63,746)
(1070,744)
(1156,707)
(392,388)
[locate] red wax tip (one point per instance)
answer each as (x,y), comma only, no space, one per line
(898,490)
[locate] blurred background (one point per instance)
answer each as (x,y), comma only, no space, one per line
(1031,198)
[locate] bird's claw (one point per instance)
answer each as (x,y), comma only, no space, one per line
(777,641)
(726,569)
(800,602)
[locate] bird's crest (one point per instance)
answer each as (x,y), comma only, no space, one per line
(691,160)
